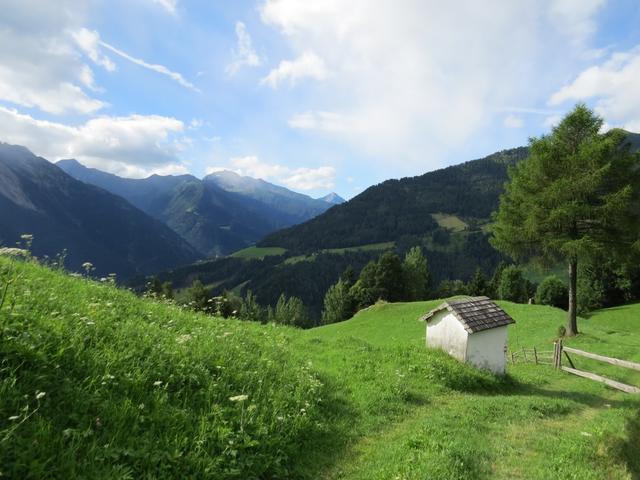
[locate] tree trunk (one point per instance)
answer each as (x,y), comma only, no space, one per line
(572,321)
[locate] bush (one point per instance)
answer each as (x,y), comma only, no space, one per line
(290,311)
(552,291)
(251,310)
(512,286)
(338,303)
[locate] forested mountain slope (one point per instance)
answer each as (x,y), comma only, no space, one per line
(91,224)
(410,206)
(394,208)
(446,212)
(218,215)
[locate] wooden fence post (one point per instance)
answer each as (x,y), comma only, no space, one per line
(535,355)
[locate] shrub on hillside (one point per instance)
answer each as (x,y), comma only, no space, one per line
(512,286)
(290,311)
(251,310)
(416,275)
(451,288)
(338,303)
(552,291)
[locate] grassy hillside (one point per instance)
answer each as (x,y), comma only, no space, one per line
(417,415)
(96,383)
(134,388)
(258,252)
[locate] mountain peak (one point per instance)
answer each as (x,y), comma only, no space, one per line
(333,198)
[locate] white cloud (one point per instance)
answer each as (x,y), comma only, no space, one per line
(613,86)
(211,170)
(39,63)
(168,5)
(324,121)
(410,85)
(243,54)
(132,146)
(301,178)
(552,120)
(89,42)
(513,121)
(307,65)
(253,167)
(575,17)
(175,76)
(311,178)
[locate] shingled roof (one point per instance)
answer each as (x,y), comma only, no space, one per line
(475,313)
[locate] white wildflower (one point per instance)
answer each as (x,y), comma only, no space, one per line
(239,398)
(14,252)
(14,417)
(39,395)
(157,383)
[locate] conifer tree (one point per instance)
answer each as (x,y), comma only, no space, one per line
(338,303)
(478,285)
(572,198)
(416,275)
(251,309)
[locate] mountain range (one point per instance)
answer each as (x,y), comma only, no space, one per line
(91,224)
(460,196)
(217,215)
(446,212)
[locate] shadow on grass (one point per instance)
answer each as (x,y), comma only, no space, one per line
(627,450)
(483,384)
(321,448)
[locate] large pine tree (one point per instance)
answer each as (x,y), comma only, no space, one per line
(575,196)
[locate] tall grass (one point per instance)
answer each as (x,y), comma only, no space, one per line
(97,383)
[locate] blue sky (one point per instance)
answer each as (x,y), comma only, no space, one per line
(317,96)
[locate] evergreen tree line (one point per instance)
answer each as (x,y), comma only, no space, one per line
(287,310)
(602,283)
(387,279)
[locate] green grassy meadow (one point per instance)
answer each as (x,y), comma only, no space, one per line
(258,252)
(450,222)
(97,383)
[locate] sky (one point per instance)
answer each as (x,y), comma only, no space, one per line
(321,96)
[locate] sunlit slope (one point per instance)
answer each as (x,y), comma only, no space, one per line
(416,413)
(97,383)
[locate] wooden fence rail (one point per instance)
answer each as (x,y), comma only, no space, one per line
(559,350)
(602,358)
(531,355)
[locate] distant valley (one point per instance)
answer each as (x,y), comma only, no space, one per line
(447,212)
(219,214)
(91,224)
(135,227)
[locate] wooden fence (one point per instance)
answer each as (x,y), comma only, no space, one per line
(531,355)
(561,350)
